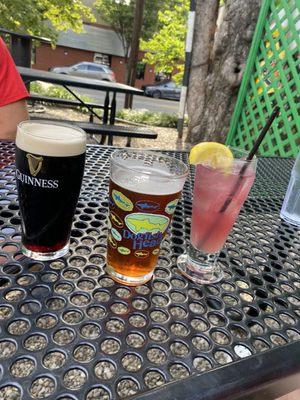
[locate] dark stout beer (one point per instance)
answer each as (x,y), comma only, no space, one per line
(49,169)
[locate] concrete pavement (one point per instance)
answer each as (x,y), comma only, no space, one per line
(139,102)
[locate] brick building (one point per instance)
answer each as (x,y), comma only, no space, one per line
(97,44)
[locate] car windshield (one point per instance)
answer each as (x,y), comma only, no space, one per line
(170,84)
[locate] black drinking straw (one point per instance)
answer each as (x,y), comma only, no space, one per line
(250,157)
(245,166)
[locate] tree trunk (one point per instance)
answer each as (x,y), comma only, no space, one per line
(220,50)
(134,49)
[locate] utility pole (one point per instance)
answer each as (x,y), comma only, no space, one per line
(134,48)
(187,67)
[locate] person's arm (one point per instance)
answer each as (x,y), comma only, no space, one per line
(13,107)
(10,116)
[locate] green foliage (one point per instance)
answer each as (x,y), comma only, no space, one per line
(119,14)
(167,120)
(43,17)
(166,48)
(36,87)
(56,91)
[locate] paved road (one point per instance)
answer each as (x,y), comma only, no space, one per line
(165,106)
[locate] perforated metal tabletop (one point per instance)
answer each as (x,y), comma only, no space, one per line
(67,331)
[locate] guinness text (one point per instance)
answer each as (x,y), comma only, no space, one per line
(43,183)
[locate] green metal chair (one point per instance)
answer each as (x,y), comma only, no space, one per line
(271,78)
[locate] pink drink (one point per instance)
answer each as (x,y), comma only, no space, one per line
(210,227)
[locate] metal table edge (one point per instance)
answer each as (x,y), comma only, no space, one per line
(67,80)
(253,378)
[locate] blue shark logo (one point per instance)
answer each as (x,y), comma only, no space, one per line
(145,223)
(144,205)
(170,207)
(116,234)
(122,201)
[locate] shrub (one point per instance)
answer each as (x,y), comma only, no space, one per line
(167,120)
(55,91)
(141,116)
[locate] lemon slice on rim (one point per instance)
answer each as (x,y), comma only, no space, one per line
(213,154)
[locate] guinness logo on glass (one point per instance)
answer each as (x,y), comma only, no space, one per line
(34,163)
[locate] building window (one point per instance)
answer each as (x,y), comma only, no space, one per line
(33,55)
(140,70)
(162,76)
(102,59)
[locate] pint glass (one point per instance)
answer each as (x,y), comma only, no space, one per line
(49,169)
(290,210)
(144,190)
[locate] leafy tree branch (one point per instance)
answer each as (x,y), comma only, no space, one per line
(43,17)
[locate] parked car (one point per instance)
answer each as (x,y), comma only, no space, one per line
(163,90)
(87,70)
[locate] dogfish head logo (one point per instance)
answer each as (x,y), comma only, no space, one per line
(144,205)
(124,250)
(112,242)
(35,164)
(141,253)
(122,201)
(144,223)
(170,207)
(116,220)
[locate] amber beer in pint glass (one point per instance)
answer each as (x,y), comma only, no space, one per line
(144,190)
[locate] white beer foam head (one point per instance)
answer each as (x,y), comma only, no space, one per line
(147,172)
(50,139)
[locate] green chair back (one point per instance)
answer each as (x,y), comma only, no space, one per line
(271,78)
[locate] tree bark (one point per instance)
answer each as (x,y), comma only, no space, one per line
(134,49)
(219,54)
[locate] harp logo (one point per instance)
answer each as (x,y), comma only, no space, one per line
(35,164)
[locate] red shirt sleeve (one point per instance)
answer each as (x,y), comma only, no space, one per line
(12,87)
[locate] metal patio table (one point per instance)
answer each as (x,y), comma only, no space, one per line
(30,75)
(69,332)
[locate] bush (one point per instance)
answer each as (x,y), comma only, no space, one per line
(37,87)
(166,120)
(56,91)
(142,116)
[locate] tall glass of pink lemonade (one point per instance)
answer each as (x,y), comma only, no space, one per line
(218,197)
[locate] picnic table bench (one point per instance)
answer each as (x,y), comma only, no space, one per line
(109,130)
(36,98)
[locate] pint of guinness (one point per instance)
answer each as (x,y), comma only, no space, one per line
(49,169)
